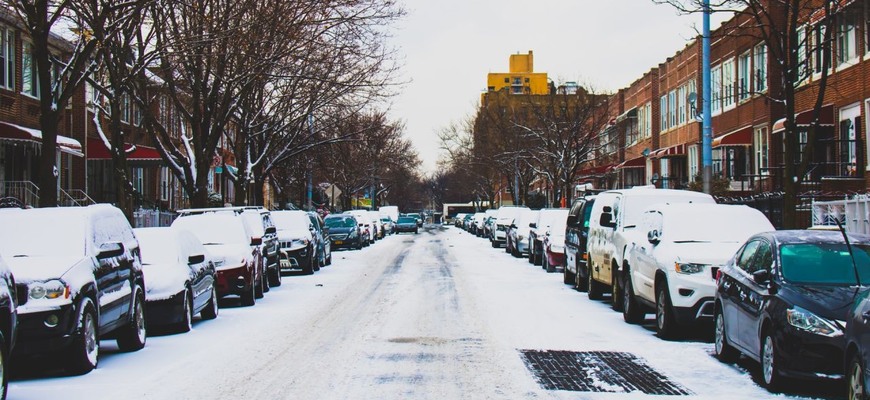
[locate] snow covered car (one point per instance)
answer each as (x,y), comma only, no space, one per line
(297,244)
(672,270)
(387,225)
(321,238)
(8,322)
(260,221)
(179,278)
(554,246)
(79,282)
(518,234)
(235,249)
(366,225)
(406,224)
(344,231)
(537,230)
(504,219)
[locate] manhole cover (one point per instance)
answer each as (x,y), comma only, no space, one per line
(598,371)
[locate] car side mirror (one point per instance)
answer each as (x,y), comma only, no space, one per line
(533,225)
(761,276)
(271,230)
(110,249)
(606,220)
(572,220)
(653,237)
(256,241)
(196,259)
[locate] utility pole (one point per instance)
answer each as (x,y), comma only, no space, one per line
(707,128)
(310,172)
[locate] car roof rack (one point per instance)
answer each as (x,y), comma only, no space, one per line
(196,211)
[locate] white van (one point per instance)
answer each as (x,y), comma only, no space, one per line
(613,226)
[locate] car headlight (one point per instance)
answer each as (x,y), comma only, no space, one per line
(807,321)
(352,234)
(689,268)
(53,289)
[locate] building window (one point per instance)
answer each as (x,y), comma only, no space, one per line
(29,77)
(125,108)
(728,84)
(847,36)
(821,50)
(663,113)
(743,77)
(850,120)
(681,105)
(648,120)
(690,108)
(138,179)
(672,108)
(164,183)
(803,59)
(693,162)
(716,89)
(760,147)
(7,58)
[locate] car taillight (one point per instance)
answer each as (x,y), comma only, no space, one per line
(718,275)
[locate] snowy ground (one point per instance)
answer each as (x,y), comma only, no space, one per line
(437,315)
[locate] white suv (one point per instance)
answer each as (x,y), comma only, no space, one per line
(613,227)
(673,269)
(503,220)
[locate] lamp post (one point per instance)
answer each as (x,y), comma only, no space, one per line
(707,134)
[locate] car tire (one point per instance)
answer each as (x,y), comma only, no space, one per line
(211,309)
(568,277)
(275,277)
(264,276)
(615,292)
(770,360)
(4,368)
(82,355)
(580,282)
(547,266)
(632,312)
(260,289)
(666,326)
(359,245)
(249,297)
(186,322)
(329,258)
(724,352)
(494,244)
(532,254)
(855,379)
(132,336)
(309,267)
(594,289)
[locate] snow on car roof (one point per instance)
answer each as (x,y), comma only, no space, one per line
(60,231)
(291,219)
(215,228)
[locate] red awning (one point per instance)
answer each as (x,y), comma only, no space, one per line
(739,137)
(12,132)
(638,162)
(97,151)
(673,151)
(595,171)
(805,118)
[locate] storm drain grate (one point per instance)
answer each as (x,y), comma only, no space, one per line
(598,371)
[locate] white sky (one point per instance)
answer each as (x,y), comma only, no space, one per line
(450,45)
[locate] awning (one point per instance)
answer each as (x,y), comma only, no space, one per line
(628,114)
(805,118)
(97,150)
(600,170)
(738,137)
(673,151)
(18,133)
(638,162)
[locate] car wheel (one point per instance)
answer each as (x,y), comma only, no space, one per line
(769,362)
(593,287)
(264,279)
(532,254)
(665,323)
(724,351)
(132,336)
(4,374)
(186,322)
(211,309)
(631,311)
(309,267)
(580,282)
(329,258)
(249,298)
(83,353)
(857,391)
(494,244)
(549,267)
(615,293)
(359,245)
(275,277)
(568,277)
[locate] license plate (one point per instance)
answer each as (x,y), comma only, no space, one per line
(339,242)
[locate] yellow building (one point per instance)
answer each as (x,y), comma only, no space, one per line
(521,79)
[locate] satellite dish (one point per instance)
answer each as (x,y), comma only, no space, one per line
(646,152)
(693,97)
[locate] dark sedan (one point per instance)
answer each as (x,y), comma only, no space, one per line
(783,301)
(406,224)
(343,231)
(858,346)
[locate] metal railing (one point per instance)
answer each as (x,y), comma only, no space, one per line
(25,191)
(74,198)
(143,218)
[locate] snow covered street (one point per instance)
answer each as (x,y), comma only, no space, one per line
(437,315)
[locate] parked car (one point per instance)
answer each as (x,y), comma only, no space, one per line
(387,225)
(375,217)
(368,228)
(236,252)
(477,223)
(488,222)
(297,242)
(457,220)
(671,272)
(321,238)
(8,323)
(613,226)
(344,231)
(417,217)
(783,301)
(554,246)
(406,224)
(504,219)
(391,212)
(576,237)
(538,228)
(858,346)
(80,281)
(179,277)
(517,243)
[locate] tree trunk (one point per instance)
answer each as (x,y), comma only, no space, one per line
(48,172)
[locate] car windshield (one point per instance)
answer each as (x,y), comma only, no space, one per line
(254,221)
(587,214)
(407,220)
(158,245)
(213,229)
(35,233)
(824,263)
(549,217)
(286,220)
(339,222)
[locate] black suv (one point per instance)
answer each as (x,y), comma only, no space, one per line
(576,236)
(80,282)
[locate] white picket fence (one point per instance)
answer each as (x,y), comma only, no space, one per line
(853,213)
(152,218)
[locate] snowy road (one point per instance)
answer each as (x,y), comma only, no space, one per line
(438,315)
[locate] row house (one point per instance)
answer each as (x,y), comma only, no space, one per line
(658,116)
(84,162)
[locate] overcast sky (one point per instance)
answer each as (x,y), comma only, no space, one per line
(448,47)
